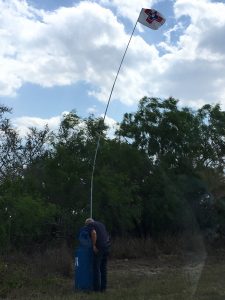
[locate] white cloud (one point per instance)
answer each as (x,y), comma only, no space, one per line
(86,43)
(112,126)
(129,9)
(62,47)
(23,124)
(194,66)
(92,110)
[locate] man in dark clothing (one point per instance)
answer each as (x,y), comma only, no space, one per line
(100,243)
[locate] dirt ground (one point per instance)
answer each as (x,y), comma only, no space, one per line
(166,277)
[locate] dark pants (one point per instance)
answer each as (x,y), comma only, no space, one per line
(100,270)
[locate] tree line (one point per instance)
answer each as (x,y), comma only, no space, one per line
(162,173)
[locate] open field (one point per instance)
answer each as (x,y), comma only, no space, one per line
(166,277)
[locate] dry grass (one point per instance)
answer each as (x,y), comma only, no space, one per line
(173,245)
(184,275)
(133,248)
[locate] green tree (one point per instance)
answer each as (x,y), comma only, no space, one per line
(168,135)
(120,172)
(212,136)
(179,142)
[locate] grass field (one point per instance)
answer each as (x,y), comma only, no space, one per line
(167,277)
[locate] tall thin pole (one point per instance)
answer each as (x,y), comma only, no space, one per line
(99,137)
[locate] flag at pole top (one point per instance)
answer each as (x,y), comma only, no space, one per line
(151,18)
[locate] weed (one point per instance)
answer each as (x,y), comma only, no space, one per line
(159,276)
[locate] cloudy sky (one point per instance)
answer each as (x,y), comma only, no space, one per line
(59,55)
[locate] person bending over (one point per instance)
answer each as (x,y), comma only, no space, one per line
(101,243)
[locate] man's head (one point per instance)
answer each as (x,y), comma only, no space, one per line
(88,221)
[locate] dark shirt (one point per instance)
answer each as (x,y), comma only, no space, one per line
(102,234)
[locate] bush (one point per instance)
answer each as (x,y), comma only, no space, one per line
(25,220)
(133,248)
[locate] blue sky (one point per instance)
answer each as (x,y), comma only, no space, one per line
(57,56)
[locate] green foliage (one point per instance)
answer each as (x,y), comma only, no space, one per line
(180,144)
(162,173)
(31,218)
(168,135)
(162,205)
(26,219)
(4,235)
(120,172)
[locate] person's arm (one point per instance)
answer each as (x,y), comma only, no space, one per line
(94,239)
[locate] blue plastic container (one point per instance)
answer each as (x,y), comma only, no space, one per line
(84,268)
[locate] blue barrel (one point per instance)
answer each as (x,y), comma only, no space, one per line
(84,268)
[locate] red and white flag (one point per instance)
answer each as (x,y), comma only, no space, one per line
(151,18)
